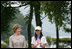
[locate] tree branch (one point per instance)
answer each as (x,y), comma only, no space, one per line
(18,6)
(43,17)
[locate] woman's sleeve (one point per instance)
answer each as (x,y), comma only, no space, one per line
(44,41)
(10,43)
(32,40)
(24,43)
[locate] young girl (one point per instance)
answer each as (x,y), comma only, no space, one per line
(38,41)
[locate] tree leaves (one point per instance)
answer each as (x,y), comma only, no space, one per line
(56,11)
(7,14)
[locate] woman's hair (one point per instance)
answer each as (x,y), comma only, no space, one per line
(15,27)
(40,35)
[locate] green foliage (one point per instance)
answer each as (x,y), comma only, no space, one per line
(7,41)
(48,40)
(4,46)
(64,40)
(56,11)
(61,46)
(67,29)
(7,15)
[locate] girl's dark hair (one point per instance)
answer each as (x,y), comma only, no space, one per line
(40,35)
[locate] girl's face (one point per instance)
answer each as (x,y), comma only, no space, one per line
(38,31)
(18,31)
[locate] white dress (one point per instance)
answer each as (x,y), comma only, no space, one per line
(42,41)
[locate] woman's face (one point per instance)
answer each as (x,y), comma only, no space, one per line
(18,31)
(38,31)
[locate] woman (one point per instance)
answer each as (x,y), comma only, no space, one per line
(17,40)
(38,41)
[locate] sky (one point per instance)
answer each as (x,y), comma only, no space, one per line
(48,29)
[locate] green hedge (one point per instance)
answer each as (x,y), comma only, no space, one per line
(4,45)
(64,40)
(7,40)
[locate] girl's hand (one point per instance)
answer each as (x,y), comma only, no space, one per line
(34,46)
(37,44)
(43,45)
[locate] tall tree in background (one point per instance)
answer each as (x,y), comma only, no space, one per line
(29,24)
(7,14)
(56,11)
(10,11)
(37,13)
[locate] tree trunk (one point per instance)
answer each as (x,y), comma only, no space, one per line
(57,39)
(37,14)
(29,25)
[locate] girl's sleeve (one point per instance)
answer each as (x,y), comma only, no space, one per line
(32,40)
(44,41)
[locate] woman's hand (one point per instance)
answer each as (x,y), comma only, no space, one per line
(43,46)
(34,46)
